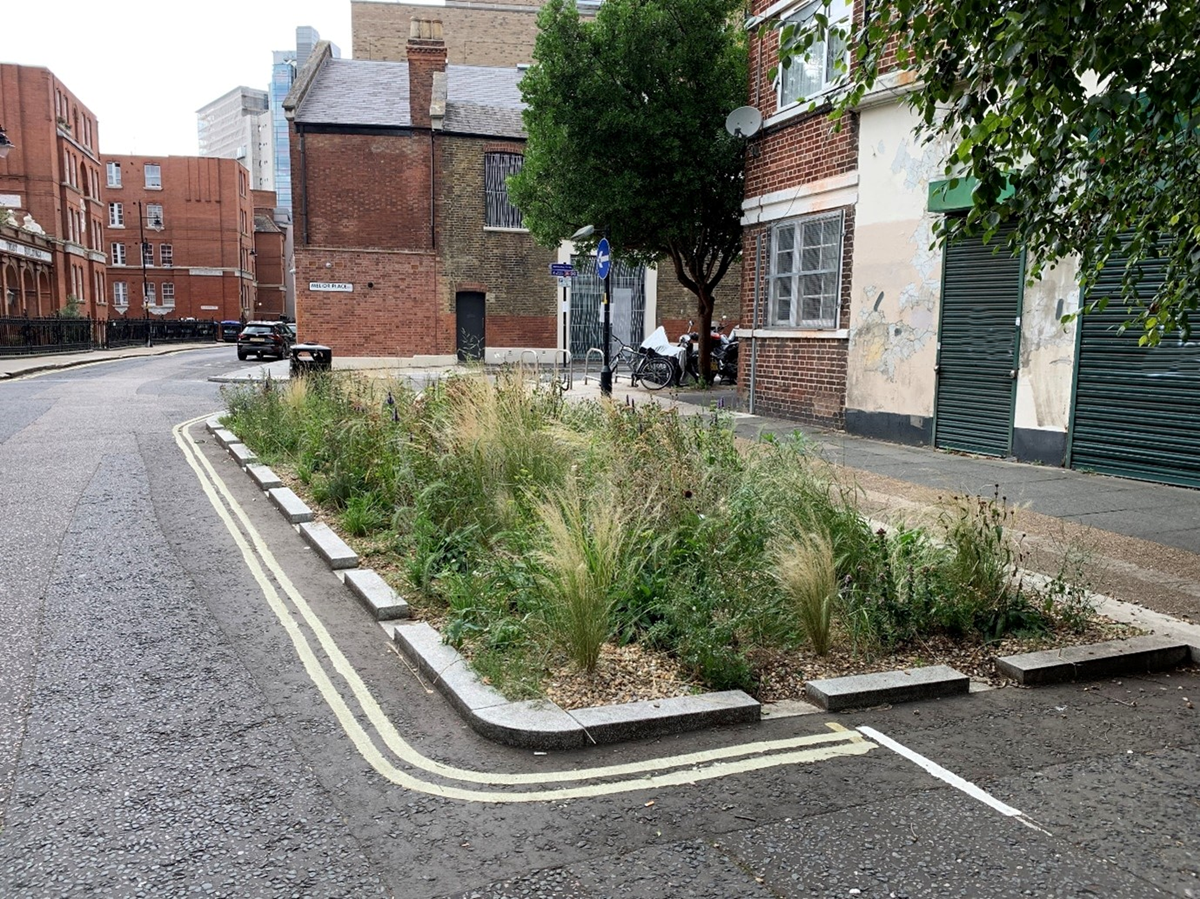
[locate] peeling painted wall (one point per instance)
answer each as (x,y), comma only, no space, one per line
(1047,356)
(897,277)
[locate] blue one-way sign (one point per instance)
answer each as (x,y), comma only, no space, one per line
(603,258)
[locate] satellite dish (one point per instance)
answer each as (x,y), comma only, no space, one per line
(743,121)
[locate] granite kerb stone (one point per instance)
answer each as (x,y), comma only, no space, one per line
(859,691)
(329,545)
(293,508)
(242,454)
(1096,660)
(369,587)
(264,477)
(225,437)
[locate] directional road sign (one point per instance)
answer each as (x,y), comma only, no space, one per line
(603,258)
(561,269)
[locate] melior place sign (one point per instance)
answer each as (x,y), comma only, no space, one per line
(335,286)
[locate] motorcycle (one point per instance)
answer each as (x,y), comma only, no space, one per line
(724,354)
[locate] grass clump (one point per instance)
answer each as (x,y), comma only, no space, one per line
(535,530)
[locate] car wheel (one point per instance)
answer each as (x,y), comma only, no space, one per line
(242,355)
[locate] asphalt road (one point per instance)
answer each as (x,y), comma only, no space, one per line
(186,711)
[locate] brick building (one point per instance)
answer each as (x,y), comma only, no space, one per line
(798,244)
(271,259)
(405,242)
(51,213)
(180,236)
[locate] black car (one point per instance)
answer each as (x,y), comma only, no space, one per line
(264,339)
(230,328)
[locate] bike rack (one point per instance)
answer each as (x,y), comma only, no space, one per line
(587,362)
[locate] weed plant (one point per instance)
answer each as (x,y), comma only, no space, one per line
(537,529)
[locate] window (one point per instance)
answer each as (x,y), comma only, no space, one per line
(153,176)
(116,215)
(148,293)
(168,293)
(496,168)
(118,254)
(147,253)
(806,264)
(166,256)
(817,71)
(114,173)
(120,293)
(154,216)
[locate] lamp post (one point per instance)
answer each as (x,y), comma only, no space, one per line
(5,143)
(604,269)
(142,249)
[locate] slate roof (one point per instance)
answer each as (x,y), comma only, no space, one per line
(263,223)
(480,99)
(358,92)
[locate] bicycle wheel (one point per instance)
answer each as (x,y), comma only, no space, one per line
(656,373)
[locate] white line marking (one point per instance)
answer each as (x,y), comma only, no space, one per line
(950,777)
(701,765)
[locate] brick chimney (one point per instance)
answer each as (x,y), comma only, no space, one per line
(426,51)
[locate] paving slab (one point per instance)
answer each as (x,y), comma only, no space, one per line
(1096,660)
(263,476)
(292,507)
(242,454)
(859,691)
(376,594)
(329,545)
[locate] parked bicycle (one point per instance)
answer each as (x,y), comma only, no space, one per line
(653,370)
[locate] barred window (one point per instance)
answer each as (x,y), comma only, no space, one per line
(496,168)
(806,267)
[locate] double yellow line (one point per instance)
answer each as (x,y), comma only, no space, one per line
(384,749)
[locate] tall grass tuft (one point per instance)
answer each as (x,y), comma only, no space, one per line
(806,571)
(583,561)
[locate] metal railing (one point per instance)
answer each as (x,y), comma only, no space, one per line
(46,336)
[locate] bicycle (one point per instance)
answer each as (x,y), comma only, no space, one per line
(654,371)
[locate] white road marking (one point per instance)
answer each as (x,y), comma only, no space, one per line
(699,766)
(950,777)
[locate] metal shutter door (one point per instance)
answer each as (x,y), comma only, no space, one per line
(977,346)
(1137,409)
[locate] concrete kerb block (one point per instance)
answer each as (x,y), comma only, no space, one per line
(226,437)
(329,546)
(263,476)
(242,454)
(373,592)
(293,508)
(658,717)
(864,690)
(1096,660)
(214,424)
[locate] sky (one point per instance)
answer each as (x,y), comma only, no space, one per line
(144,67)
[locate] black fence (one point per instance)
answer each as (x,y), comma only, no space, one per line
(41,336)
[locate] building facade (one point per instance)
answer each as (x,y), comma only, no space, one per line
(51,210)
(272,299)
(286,63)
(180,236)
(237,126)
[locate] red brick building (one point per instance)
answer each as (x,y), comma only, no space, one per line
(51,214)
(180,233)
(270,259)
(801,192)
(405,242)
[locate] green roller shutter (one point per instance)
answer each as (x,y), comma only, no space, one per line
(1137,409)
(977,347)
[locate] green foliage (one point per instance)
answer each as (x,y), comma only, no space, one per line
(1087,111)
(625,119)
(805,569)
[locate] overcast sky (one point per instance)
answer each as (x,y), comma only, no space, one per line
(145,66)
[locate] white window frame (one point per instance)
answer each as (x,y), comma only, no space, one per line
(118,254)
(113,172)
(166,255)
(153,173)
(148,293)
(498,210)
(168,293)
(817,63)
(120,293)
(790,280)
(147,253)
(116,215)
(154,211)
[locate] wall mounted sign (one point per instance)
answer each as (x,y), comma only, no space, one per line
(331,286)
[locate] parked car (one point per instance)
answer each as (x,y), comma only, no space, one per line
(264,339)
(230,330)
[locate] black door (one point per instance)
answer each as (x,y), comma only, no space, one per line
(468,306)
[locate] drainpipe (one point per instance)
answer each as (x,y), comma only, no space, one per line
(303,185)
(758,240)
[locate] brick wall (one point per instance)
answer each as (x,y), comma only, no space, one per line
(505,265)
(393,310)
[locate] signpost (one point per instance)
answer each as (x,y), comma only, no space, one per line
(564,272)
(603,269)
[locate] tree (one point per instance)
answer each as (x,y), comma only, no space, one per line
(625,120)
(1078,119)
